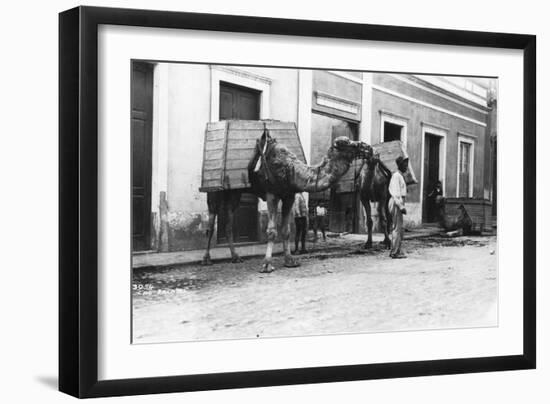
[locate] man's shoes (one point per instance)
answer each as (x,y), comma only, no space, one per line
(398,256)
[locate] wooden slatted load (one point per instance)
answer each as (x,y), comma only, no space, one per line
(230,145)
(388,152)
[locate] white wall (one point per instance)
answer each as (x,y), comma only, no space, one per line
(283,92)
(189,111)
(186,98)
(28,165)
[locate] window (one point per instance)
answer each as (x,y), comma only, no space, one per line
(465,168)
(392,131)
(393,127)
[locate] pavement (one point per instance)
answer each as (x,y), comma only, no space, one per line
(154,259)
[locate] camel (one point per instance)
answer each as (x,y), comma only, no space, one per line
(374,180)
(276,174)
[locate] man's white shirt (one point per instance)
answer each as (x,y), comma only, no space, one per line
(398,189)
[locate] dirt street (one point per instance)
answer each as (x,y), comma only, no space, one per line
(339,288)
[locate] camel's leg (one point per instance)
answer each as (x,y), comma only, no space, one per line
(366,204)
(214,201)
(272,202)
(231,204)
(383,218)
(285,232)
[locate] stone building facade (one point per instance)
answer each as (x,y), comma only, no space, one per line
(441,120)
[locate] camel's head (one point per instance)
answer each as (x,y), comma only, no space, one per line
(352,148)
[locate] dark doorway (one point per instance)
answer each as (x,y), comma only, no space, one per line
(344,207)
(392,131)
(141,135)
(245,227)
(344,212)
(240,103)
(431,177)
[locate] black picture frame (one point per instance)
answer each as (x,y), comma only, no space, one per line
(78,201)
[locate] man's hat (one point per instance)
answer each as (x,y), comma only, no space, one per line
(401,159)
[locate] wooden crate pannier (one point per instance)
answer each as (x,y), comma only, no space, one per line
(230,145)
(388,152)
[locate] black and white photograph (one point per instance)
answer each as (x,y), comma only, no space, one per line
(272,202)
(275,202)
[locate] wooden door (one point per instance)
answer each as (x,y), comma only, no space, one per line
(343,212)
(141,138)
(240,103)
(245,227)
(431,175)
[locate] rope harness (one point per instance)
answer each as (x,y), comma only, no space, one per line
(263,151)
(317,178)
(358,171)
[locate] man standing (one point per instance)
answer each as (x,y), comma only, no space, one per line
(398,192)
(434,201)
(300,220)
(319,221)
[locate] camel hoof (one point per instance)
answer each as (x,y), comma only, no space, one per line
(267,267)
(236,259)
(291,262)
(368,245)
(387,244)
(206,261)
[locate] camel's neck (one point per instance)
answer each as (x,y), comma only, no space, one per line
(329,172)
